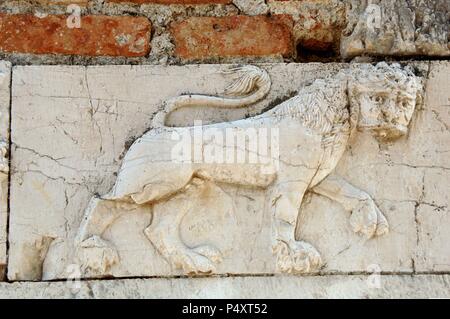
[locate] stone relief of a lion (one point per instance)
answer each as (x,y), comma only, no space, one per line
(314,130)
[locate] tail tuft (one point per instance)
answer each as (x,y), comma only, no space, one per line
(251,85)
(249,78)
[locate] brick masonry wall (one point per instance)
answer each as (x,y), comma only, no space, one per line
(202,37)
(166,31)
(212,31)
(99,35)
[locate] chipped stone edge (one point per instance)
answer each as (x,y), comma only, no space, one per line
(4,175)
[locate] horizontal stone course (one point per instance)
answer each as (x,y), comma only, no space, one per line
(346,286)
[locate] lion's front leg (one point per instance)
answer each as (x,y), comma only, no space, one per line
(366,218)
(292,256)
(95,254)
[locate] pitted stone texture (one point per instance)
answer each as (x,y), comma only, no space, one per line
(317,24)
(412,27)
(345,286)
(91,115)
(252,7)
(5,79)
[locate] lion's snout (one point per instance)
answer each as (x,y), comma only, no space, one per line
(390,133)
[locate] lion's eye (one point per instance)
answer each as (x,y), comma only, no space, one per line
(378,99)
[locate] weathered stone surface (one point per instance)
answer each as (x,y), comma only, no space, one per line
(95,112)
(432,252)
(432,27)
(254,7)
(348,286)
(317,24)
(412,27)
(5,79)
(433,207)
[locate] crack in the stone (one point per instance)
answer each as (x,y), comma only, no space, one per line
(243,275)
(8,200)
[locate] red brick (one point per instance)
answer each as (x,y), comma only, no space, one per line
(175,1)
(317,36)
(202,37)
(98,35)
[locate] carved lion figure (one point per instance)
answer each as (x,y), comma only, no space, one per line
(313,128)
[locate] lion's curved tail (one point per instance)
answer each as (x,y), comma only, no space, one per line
(252,85)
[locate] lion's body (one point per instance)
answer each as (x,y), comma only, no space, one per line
(293,132)
(298,145)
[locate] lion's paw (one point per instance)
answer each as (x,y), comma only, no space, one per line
(368,220)
(210,252)
(96,256)
(200,260)
(297,257)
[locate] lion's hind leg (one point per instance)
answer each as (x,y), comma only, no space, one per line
(164,235)
(164,231)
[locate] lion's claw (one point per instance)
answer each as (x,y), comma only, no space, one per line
(368,220)
(297,257)
(200,260)
(210,252)
(96,256)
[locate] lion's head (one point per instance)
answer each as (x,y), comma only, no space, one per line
(385,96)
